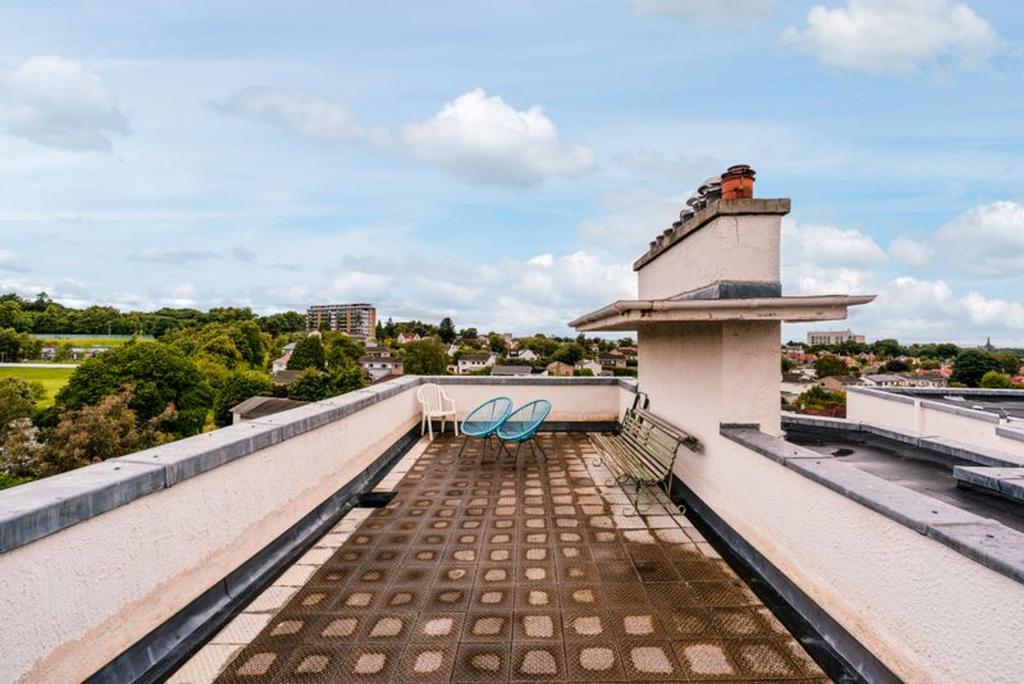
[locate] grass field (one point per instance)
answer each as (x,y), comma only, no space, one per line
(51,378)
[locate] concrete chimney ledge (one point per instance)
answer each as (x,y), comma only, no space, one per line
(632,314)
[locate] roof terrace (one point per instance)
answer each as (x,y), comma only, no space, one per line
(249,553)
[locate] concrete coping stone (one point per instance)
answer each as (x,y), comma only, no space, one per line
(1006,481)
(881,394)
(36,509)
(941,445)
(983,540)
(1014,433)
(960,411)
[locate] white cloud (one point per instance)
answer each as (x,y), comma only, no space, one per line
(59,102)
(310,116)
(179,257)
(629,221)
(895,36)
(911,252)
(485,141)
(986,241)
(829,246)
(360,285)
(687,171)
(707,12)
(10,262)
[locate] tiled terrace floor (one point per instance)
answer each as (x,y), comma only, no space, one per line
(484,571)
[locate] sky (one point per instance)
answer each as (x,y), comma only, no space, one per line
(505,163)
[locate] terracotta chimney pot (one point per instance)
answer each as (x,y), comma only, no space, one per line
(738,182)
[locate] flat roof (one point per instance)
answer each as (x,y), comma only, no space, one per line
(630,314)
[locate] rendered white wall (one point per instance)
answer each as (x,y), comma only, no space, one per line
(728,248)
(921,419)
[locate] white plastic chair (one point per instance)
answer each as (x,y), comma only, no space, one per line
(434,403)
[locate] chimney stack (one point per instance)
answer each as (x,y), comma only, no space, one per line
(738,182)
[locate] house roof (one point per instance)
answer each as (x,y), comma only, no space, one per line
(474,357)
(884,377)
(259,407)
(842,379)
(286,377)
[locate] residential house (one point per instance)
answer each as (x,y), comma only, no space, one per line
(380,365)
(378,352)
(524,354)
(838,383)
(559,369)
(613,361)
(511,371)
(926,378)
(472,363)
(280,363)
(589,364)
(884,380)
(406,337)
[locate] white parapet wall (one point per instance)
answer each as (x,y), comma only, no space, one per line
(921,415)
(94,560)
(927,611)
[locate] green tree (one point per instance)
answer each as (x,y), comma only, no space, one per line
(17,401)
(787,364)
(887,348)
(95,433)
(896,366)
(830,365)
(820,401)
(280,323)
(311,385)
(1009,362)
(496,343)
(971,365)
(425,357)
(341,351)
(308,353)
(946,350)
(446,330)
(160,376)
(347,379)
(239,386)
(995,380)
(569,352)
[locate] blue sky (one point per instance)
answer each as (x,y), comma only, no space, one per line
(504,163)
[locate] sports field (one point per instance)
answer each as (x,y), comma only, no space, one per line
(51,378)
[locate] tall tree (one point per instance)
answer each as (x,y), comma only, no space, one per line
(160,376)
(971,365)
(446,330)
(425,357)
(308,353)
(238,387)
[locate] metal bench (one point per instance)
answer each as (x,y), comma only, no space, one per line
(643,451)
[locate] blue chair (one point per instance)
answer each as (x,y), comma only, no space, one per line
(484,421)
(523,424)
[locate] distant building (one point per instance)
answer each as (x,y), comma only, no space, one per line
(589,364)
(613,361)
(379,362)
(524,354)
(355,320)
(838,383)
(280,363)
(471,363)
(832,337)
(884,380)
(285,377)
(405,338)
(558,368)
(989,347)
(511,371)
